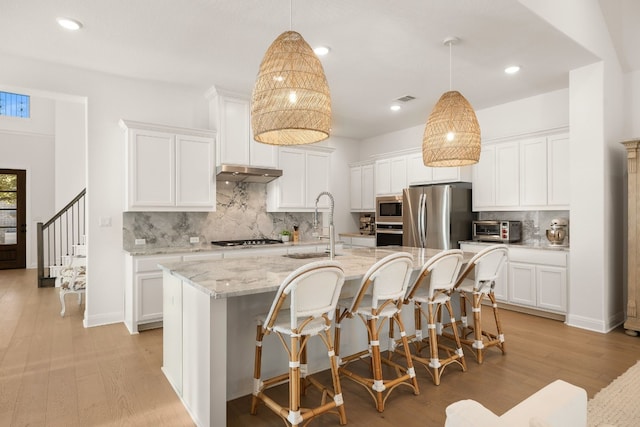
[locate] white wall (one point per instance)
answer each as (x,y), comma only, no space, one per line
(633,104)
(109,98)
(70,150)
(33,153)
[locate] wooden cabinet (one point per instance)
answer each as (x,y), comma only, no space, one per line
(362,188)
(306,172)
(230,115)
(525,174)
(632,322)
(168,168)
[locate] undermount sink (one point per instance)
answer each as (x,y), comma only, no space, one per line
(308,255)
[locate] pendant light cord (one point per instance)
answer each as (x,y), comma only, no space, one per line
(450,68)
(290,13)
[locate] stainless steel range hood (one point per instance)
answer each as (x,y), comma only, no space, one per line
(240,173)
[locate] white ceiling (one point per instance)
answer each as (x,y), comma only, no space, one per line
(380,49)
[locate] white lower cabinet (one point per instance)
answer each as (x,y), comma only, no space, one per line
(538,278)
(143,290)
(535,278)
(358,241)
(172,331)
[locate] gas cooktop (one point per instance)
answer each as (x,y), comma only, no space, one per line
(247,242)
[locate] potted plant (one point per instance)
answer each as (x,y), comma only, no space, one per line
(285,235)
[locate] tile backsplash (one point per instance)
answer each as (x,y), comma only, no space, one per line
(241,214)
(534,223)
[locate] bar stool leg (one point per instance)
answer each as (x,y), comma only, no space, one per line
(434,362)
(405,344)
(456,336)
(257,371)
(478,343)
(294,416)
(496,316)
(335,377)
(376,364)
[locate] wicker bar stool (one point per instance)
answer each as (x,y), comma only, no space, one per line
(379,298)
(486,266)
(312,292)
(432,289)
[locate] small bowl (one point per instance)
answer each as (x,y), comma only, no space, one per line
(556,236)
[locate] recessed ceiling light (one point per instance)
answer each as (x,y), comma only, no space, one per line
(395,107)
(321,50)
(512,69)
(69,24)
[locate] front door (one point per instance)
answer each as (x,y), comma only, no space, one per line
(13,224)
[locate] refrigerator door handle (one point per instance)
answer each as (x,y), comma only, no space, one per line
(423,220)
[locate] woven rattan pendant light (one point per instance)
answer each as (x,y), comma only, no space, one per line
(452,134)
(291,104)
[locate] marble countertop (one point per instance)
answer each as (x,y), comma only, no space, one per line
(208,247)
(246,276)
(525,245)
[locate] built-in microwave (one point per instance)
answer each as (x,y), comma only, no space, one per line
(389,209)
(496,231)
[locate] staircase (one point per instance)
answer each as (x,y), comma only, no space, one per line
(60,240)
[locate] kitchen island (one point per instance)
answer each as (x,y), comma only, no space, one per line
(210,309)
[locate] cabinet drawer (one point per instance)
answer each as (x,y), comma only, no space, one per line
(151,264)
(537,256)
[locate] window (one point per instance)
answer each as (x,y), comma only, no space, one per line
(14,105)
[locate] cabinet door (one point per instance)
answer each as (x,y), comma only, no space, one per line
(417,172)
(484,179)
(234,130)
(317,178)
(533,173)
(449,174)
(291,191)
(149,297)
(172,331)
(552,288)
(368,190)
(367,242)
(507,174)
(355,184)
(522,283)
(263,154)
(383,176)
(194,171)
(558,170)
(398,174)
(151,169)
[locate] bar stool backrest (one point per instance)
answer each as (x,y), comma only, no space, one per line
(443,270)
(313,291)
(487,265)
(389,278)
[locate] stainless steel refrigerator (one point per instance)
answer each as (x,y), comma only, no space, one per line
(436,216)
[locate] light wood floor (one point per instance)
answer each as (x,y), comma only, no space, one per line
(54,372)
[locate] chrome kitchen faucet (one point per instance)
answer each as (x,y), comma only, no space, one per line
(332,237)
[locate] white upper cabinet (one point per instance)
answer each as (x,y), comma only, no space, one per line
(230,115)
(417,172)
(398,174)
(533,174)
(362,188)
(306,172)
(484,178)
(168,168)
(525,174)
(507,165)
(558,170)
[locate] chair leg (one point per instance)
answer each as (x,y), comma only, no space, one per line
(496,316)
(376,364)
(405,344)
(294,416)
(64,308)
(458,350)
(478,343)
(335,378)
(257,367)
(434,361)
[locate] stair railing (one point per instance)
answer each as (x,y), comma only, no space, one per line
(57,238)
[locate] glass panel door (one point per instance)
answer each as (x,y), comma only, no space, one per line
(12,219)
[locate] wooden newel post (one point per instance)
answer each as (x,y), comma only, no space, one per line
(632,323)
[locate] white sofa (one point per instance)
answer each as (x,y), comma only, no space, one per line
(558,404)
